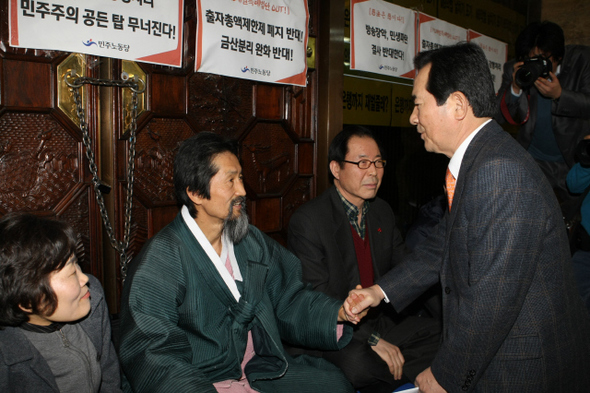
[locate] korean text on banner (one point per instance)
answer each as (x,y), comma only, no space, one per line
(140,30)
(263,40)
(496,54)
(382,38)
(435,33)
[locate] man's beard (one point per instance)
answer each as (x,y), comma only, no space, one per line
(236,228)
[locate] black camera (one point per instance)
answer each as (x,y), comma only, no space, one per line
(531,70)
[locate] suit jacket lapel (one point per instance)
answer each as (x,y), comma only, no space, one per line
(478,142)
(373,229)
(473,150)
(343,238)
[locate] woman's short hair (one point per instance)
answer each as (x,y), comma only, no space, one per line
(31,248)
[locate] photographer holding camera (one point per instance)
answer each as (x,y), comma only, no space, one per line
(546,91)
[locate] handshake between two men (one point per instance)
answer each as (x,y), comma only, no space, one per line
(356,306)
(359,300)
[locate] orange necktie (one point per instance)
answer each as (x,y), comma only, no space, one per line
(450,180)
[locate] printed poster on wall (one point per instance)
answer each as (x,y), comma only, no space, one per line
(263,40)
(496,53)
(139,30)
(382,38)
(376,103)
(434,33)
(366,101)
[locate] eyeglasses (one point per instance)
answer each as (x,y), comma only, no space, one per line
(365,164)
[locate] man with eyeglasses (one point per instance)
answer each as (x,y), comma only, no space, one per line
(347,237)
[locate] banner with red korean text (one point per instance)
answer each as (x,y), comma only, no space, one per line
(496,53)
(139,30)
(434,33)
(382,38)
(263,40)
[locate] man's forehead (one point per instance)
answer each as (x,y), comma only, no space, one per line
(232,168)
(357,146)
(420,81)
(227,163)
(418,93)
(232,171)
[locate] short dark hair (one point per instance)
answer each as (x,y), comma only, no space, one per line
(193,166)
(339,146)
(461,67)
(547,36)
(31,248)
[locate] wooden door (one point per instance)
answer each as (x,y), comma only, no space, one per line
(42,164)
(276,126)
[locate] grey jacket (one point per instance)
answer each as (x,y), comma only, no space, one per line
(512,318)
(23,369)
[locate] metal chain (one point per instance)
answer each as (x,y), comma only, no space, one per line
(75,84)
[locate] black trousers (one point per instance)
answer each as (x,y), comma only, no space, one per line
(417,337)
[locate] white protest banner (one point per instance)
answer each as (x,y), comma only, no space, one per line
(434,33)
(263,40)
(140,30)
(382,38)
(496,53)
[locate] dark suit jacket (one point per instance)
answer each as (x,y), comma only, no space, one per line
(512,318)
(320,235)
(570,114)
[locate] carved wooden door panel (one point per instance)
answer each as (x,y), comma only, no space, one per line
(42,167)
(275,125)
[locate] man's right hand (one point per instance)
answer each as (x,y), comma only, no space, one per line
(391,355)
(360,299)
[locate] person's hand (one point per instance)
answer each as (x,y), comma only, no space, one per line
(391,355)
(426,383)
(360,299)
(343,316)
(550,87)
(517,66)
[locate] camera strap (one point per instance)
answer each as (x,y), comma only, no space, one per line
(506,113)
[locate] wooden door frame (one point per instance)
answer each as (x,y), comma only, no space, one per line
(330,57)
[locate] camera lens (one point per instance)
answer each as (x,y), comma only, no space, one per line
(531,70)
(525,77)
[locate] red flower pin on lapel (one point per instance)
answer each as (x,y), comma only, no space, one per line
(378,229)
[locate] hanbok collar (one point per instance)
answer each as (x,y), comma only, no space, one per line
(217,260)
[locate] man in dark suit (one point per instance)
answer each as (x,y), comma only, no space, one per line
(554,112)
(348,237)
(512,319)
